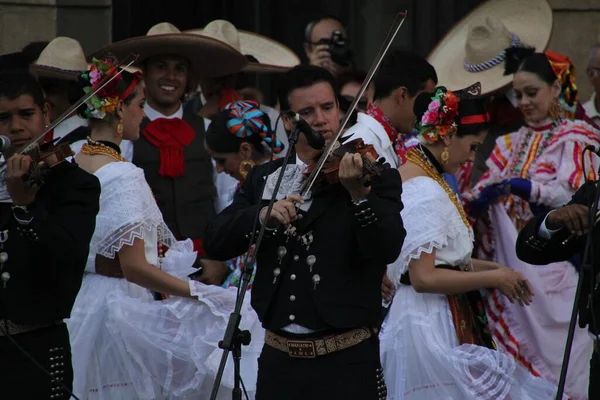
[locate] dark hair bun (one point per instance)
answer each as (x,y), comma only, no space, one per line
(422,102)
(514,57)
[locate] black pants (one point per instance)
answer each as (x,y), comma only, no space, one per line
(594,388)
(350,374)
(20,378)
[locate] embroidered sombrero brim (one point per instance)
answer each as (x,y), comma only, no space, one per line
(272,56)
(531,20)
(209,58)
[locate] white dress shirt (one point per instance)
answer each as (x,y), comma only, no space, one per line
(372,132)
(68,126)
(543,231)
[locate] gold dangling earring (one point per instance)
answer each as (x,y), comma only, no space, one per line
(445,156)
(555,110)
(245,167)
(120,128)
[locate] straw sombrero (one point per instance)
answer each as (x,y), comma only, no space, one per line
(63,58)
(473,50)
(272,56)
(208,57)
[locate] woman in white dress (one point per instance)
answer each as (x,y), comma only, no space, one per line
(126,343)
(434,341)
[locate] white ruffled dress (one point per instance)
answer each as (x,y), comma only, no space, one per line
(125,344)
(420,353)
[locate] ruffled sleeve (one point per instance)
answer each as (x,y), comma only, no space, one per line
(559,171)
(431,220)
(128,210)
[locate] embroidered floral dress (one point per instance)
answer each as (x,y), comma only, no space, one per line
(421,354)
(550,157)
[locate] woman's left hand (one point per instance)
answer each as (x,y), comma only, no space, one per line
(350,174)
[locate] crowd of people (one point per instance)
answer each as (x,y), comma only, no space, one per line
(450,273)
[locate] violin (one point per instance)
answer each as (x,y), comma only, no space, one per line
(373,166)
(47,155)
(371,169)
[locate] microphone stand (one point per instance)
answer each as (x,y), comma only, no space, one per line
(586,266)
(234,338)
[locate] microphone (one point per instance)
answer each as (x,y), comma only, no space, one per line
(4,143)
(314,139)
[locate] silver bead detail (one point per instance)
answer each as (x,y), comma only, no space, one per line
(316,279)
(5,277)
(281,252)
(293,277)
(311,260)
(276,273)
(3,257)
(296,258)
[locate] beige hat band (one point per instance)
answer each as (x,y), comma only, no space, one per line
(496,60)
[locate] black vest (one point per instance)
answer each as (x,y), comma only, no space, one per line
(186,202)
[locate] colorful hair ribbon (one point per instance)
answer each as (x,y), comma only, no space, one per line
(246,119)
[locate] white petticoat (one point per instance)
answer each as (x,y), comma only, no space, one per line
(130,346)
(420,353)
(422,359)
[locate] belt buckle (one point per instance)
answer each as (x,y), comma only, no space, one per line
(301,349)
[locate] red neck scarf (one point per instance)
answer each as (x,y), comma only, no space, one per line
(170,135)
(379,116)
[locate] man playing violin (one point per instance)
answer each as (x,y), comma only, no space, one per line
(320,266)
(45,232)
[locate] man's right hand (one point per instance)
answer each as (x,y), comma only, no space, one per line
(283,212)
(574,217)
(320,56)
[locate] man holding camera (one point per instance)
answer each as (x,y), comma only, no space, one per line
(326,45)
(560,235)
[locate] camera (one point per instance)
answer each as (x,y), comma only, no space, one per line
(340,50)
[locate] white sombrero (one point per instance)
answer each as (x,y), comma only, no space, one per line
(63,58)
(272,56)
(473,50)
(208,57)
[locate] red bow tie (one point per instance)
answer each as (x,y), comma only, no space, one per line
(170,135)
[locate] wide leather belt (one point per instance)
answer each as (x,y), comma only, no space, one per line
(110,267)
(314,347)
(15,329)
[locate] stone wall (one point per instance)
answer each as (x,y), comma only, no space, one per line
(576,29)
(25,21)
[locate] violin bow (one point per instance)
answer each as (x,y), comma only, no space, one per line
(391,35)
(128,61)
